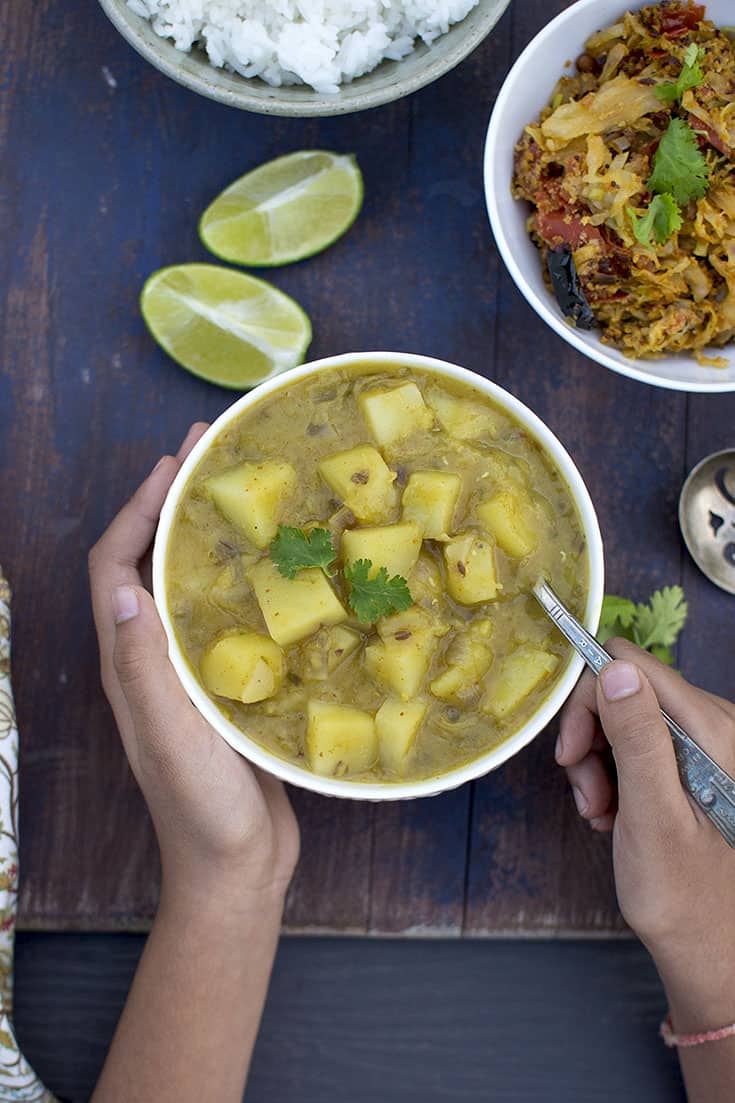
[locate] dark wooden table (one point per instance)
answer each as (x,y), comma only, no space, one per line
(104,168)
(497,1020)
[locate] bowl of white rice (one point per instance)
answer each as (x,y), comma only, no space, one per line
(304,57)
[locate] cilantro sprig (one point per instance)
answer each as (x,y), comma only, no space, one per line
(294,549)
(691,76)
(679,166)
(661,220)
(372,598)
(680,173)
(654,625)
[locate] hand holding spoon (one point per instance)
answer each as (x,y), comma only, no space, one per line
(712,789)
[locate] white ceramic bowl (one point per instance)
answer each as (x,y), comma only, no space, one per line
(389,81)
(297,775)
(524,93)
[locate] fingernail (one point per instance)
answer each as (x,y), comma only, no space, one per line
(159,464)
(125,604)
(620,680)
(580,800)
(596,824)
(558,747)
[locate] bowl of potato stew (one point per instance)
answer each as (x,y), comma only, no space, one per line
(344,568)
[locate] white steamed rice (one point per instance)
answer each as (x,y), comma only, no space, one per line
(318,42)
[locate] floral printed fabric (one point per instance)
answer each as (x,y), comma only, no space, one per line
(18,1082)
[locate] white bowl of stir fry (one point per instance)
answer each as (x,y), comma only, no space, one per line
(610,186)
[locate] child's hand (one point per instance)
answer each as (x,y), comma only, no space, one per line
(222,826)
(675,875)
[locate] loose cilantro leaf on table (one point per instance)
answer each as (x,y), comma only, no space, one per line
(372,598)
(661,621)
(617,614)
(293,550)
(690,76)
(679,166)
(662,219)
(654,626)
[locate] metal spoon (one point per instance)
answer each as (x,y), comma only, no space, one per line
(710,787)
(707,517)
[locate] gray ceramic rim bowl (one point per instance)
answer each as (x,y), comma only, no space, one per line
(390,81)
(378,791)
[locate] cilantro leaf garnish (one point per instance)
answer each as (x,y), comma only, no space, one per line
(690,76)
(679,166)
(372,598)
(662,219)
(293,550)
(654,626)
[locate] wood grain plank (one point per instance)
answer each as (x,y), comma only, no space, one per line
(448,310)
(400,1022)
(107,403)
(418,866)
(706,648)
(331,889)
(532,866)
(104,167)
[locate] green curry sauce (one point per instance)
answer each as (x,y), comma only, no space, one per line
(486,665)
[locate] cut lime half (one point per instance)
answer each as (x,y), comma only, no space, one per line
(284,210)
(224,326)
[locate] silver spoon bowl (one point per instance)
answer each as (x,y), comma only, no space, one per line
(707,517)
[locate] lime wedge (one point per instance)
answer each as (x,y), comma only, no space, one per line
(284,210)
(224,326)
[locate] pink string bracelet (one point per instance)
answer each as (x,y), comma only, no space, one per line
(666,1031)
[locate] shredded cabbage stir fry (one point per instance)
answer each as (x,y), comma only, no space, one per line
(631,173)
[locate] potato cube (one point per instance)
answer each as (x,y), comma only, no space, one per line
(401,660)
(468,660)
(247,667)
(294,608)
(449,685)
(339,739)
(517,676)
(253,496)
(464,418)
(413,619)
(471,574)
(394,414)
(509,516)
(429,499)
(401,665)
(395,547)
(397,725)
(362,480)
